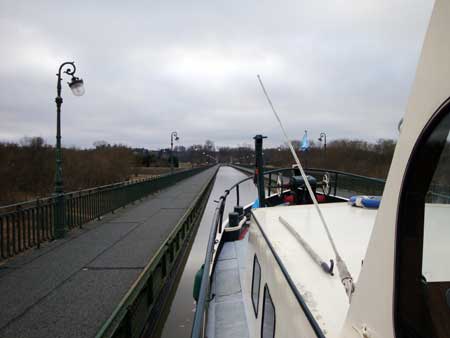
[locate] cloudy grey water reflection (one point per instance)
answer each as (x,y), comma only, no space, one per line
(181,313)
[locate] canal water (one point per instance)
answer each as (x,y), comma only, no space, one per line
(180,314)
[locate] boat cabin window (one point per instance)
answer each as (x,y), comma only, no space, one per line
(268,318)
(256,283)
(422,291)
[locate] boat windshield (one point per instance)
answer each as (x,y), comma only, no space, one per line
(423,235)
(436,249)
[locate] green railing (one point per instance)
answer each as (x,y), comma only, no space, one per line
(341,184)
(28,224)
(346,185)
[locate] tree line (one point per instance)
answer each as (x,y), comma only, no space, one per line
(27,168)
(354,156)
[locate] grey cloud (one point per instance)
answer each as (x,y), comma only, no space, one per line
(345,67)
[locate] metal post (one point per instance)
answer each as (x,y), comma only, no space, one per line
(38,222)
(60,214)
(335,183)
(270,185)
(172,135)
(323,137)
(171,153)
(260,169)
(60,221)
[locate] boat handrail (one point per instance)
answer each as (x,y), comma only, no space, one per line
(197,327)
(269,170)
(368,178)
(349,184)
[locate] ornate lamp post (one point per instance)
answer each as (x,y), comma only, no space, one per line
(77,86)
(172,135)
(323,137)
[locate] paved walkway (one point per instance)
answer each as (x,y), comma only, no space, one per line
(69,287)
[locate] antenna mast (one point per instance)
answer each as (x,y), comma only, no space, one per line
(344,274)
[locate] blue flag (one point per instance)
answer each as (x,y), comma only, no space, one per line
(305,142)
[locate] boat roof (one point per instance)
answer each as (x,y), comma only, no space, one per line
(350,228)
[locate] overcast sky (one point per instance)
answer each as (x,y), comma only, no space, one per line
(340,66)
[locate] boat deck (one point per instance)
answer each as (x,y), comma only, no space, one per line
(226,312)
(69,287)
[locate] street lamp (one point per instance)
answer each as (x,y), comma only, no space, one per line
(323,137)
(77,86)
(172,135)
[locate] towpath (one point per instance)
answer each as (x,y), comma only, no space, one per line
(69,287)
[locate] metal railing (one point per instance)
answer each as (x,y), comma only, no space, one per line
(345,185)
(28,224)
(144,297)
(342,184)
(348,181)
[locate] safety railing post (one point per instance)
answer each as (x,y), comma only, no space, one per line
(221,211)
(18,225)
(28,220)
(38,222)
(335,183)
(2,239)
(270,184)
(15,229)
(90,206)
